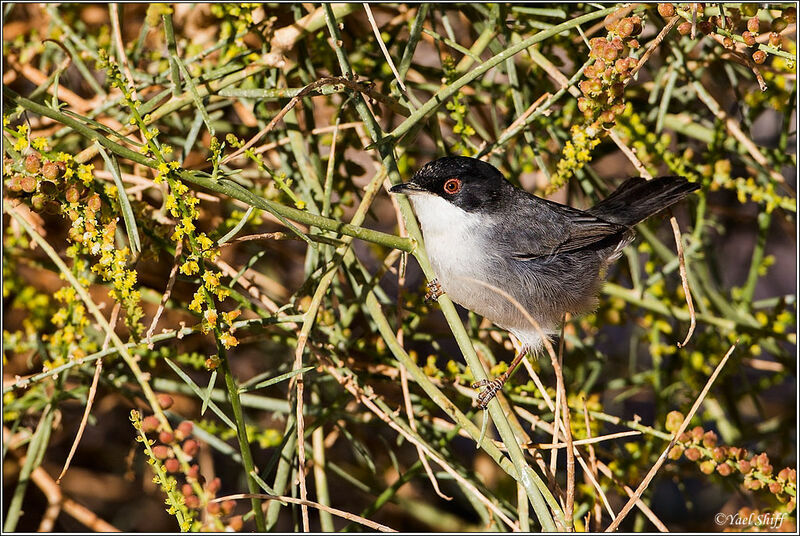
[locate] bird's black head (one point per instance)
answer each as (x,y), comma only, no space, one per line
(470,184)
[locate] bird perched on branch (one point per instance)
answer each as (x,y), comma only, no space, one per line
(511,256)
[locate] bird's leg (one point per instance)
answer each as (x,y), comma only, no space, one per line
(434,290)
(491,387)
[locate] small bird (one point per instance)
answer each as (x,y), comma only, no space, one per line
(481,232)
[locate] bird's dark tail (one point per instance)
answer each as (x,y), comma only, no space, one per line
(637,199)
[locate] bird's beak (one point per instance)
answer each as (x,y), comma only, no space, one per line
(407,188)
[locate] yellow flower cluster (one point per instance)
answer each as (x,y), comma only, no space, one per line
(576,153)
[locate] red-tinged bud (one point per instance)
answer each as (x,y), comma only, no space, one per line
(172,465)
(213,508)
(214,486)
(724,469)
(685,28)
(666,10)
(625,28)
(191,501)
(194,471)
(705,27)
(51,171)
(753,25)
(693,454)
(164,400)
(166,437)
(608,116)
(32,163)
(775,39)
(190,447)
(710,439)
(184,430)
(235,523)
(228,506)
(150,424)
(95,203)
(744,466)
(27,183)
(749,38)
(161,452)
(759,56)
(72,194)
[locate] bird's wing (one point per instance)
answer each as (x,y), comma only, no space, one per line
(554,229)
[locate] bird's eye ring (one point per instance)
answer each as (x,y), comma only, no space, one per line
(452,186)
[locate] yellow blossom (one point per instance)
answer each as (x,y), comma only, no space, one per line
(39,143)
(211,280)
(190,267)
(228,340)
(197,302)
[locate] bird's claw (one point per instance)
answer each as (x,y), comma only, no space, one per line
(489,391)
(434,291)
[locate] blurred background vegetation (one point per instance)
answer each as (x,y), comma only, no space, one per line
(176,275)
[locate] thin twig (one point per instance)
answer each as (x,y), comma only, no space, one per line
(598,511)
(90,397)
(676,231)
(381,44)
(661,459)
(303,502)
(653,45)
(628,152)
(517,122)
(371,402)
(587,441)
(173,275)
(570,507)
(639,502)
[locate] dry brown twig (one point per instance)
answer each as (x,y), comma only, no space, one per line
(303,502)
(382,45)
(173,275)
(676,231)
(366,398)
(547,427)
(663,457)
(653,45)
(639,502)
(90,397)
(597,510)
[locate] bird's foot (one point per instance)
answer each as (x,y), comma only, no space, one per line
(434,290)
(489,391)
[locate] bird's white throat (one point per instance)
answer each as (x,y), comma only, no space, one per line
(454,242)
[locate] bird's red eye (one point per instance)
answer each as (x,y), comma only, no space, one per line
(452,186)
